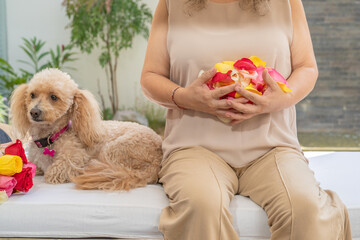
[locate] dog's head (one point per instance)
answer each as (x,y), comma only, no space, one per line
(51,97)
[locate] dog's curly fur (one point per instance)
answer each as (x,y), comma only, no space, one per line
(92,153)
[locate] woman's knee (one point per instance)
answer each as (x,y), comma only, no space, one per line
(203,200)
(306,206)
(298,210)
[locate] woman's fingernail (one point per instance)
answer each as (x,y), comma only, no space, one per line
(237,89)
(229,103)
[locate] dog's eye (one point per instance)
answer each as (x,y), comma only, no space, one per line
(32,95)
(54,98)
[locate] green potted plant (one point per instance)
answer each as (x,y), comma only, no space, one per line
(110,25)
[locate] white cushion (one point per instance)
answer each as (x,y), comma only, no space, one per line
(59,211)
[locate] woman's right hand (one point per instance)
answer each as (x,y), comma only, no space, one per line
(197,96)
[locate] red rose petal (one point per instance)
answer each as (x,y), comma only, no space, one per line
(17,150)
(245,64)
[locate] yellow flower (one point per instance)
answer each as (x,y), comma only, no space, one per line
(10,164)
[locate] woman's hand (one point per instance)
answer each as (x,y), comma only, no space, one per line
(197,96)
(273,99)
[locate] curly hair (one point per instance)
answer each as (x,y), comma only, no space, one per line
(258,6)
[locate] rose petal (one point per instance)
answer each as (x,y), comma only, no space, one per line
(259,79)
(277,76)
(223,67)
(252,88)
(232,94)
(245,77)
(245,64)
(224,77)
(210,85)
(231,63)
(284,87)
(260,87)
(238,95)
(257,61)
(248,74)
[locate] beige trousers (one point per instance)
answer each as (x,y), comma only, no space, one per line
(200,186)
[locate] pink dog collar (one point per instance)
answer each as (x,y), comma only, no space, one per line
(47,141)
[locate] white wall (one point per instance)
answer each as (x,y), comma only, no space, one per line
(46,20)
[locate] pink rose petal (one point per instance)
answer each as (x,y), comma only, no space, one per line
(277,76)
(7,184)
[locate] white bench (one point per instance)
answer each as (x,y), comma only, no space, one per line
(60,211)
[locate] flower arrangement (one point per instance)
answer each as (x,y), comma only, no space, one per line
(16,172)
(248,73)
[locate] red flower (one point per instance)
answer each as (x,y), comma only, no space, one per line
(17,150)
(24,180)
(245,64)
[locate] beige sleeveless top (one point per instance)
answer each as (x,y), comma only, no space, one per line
(224,31)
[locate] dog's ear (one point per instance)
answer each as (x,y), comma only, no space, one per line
(18,110)
(86,118)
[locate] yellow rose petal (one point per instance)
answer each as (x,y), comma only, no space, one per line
(231,63)
(237,95)
(251,88)
(10,164)
(257,61)
(223,68)
(284,87)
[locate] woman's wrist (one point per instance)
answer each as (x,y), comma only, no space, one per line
(177,97)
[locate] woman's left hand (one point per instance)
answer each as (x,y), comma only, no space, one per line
(274,99)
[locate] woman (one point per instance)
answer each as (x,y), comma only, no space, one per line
(206,162)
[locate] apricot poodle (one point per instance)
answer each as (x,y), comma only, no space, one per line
(70,142)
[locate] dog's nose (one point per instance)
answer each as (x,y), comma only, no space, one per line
(35,113)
